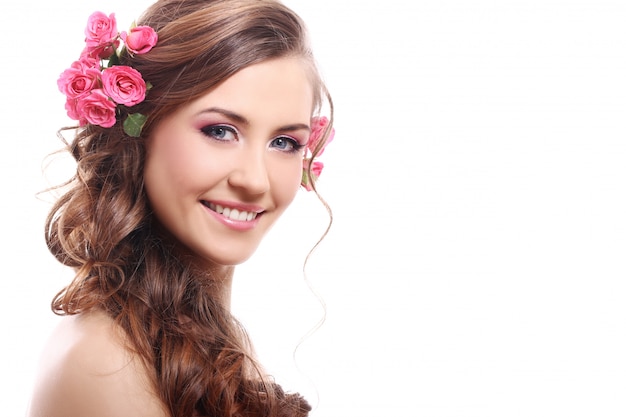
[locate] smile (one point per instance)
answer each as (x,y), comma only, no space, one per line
(232,213)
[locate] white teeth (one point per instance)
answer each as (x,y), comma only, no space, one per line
(233,214)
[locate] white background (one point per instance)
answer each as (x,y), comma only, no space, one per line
(477,261)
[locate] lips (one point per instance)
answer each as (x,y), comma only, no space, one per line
(232,213)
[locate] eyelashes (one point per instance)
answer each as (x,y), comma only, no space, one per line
(220,133)
(226,133)
(287,144)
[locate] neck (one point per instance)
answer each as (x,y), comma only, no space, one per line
(219,277)
(218,281)
(222,278)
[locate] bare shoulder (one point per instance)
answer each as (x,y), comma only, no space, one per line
(87,371)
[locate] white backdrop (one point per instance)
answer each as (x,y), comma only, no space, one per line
(476,264)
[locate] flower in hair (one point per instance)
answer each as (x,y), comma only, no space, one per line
(140,39)
(96,85)
(319,126)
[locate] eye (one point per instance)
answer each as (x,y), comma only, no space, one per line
(286,144)
(220,132)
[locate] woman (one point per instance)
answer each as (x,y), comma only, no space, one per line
(196,129)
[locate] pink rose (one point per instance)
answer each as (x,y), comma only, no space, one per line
(78,80)
(102,51)
(97,109)
(86,60)
(72,110)
(316,168)
(140,40)
(316,171)
(124,85)
(318,126)
(101,35)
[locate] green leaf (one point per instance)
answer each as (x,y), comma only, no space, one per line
(133,124)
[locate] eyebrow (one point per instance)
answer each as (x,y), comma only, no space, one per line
(242,120)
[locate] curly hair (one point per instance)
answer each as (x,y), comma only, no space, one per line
(125,265)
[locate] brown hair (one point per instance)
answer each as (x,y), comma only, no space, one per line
(102,225)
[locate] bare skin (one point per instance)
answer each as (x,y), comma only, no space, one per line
(87,371)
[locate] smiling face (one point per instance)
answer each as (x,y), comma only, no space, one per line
(222,169)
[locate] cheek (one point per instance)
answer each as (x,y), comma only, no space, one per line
(165,171)
(286,178)
(184,165)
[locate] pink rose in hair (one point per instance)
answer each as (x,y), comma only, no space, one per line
(97,109)
(72,110)
(124,85)
(318,126)
(316,171)
(78,80)
(101,35)
(87,61)
(140,39)
(316,168)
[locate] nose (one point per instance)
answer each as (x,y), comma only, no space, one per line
(250,172)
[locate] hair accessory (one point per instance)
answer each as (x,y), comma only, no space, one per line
(318,127)
(96,85)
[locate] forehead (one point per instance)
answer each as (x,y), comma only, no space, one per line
(277,91)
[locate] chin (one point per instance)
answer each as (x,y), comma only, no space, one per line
(224,259)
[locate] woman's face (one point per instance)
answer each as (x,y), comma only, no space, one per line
(222,169)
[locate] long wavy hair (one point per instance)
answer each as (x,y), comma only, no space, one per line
(102,226)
